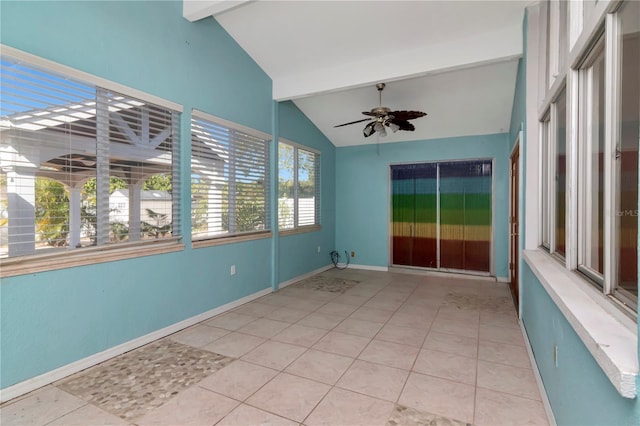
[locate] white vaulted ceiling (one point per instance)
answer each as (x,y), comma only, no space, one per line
(455,60)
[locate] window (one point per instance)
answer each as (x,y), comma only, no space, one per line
(553,176)
(78,163)
(591,173)
(229,179)
(559,111)
(557,37)
(605,247)
(298,186)
(626,138)
(545,202)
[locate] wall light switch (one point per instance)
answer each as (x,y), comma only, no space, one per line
(233,269)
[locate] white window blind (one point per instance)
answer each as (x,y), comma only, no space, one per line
(308,192)
(229,178)
(298,187)
(81,165)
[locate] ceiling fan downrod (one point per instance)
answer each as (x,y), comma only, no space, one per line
(380,87)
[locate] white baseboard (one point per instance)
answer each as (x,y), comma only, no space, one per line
(543,393)
(368,267)
(49,377)
(502,279)
(302,277)
(441,274)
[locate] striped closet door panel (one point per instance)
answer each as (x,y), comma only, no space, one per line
(414,200)
(465,215)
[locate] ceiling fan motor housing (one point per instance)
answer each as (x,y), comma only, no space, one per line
(380,111)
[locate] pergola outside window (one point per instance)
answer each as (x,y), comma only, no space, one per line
(81,165)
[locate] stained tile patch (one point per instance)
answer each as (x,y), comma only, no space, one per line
(326,283)
(132,384)
(494,304)
(405,416)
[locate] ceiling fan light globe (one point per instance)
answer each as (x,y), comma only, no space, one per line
(378,127)
(394,127)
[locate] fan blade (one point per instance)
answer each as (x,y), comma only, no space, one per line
(402,124)
(368,129)
(353,122)
(407,115)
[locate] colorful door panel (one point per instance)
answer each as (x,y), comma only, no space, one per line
(414,200)
(442,215)
(465,215)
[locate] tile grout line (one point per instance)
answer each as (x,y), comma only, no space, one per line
(475,386)
(74,410)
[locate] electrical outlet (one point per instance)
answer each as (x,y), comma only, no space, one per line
(233,269)
(318,249)
(353,254)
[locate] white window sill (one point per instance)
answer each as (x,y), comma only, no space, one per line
(218,241)
(85,256)
(610,336)
(299,230)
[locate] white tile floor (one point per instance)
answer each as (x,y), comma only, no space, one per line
(395,349)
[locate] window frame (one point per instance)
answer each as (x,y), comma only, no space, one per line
(586,86)
(296,228)
(553,150)
(613,146)
(33,263)
(547,136)
(546,181)
(558,38)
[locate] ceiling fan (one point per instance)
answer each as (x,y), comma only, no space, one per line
(383,116)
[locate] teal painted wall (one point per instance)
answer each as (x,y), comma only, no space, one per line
(54,318)
(51,319)
(579,392)
(298,254)
(362,191)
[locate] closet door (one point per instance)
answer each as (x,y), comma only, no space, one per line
(414,213)
(402,208)
(425,236)
(465,215)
